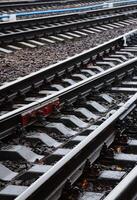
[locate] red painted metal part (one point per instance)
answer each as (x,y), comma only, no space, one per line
(45,110)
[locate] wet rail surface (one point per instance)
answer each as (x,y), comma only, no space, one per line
(47,135)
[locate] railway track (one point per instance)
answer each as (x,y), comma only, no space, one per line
(17,146)
(68,17)
(41,5)
(61,131)
(113,174)
(54,78)
(33,32)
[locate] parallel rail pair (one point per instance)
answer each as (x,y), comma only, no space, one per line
(51,183)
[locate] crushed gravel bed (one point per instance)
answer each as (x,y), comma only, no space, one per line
(24,61)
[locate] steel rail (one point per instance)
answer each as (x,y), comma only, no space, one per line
(13,2)
(24,84)
(47,185)
(14,117)
(77,9)
(61,28)
(59,68)
(65,17)
(10,120)
(35,4)
(126,188)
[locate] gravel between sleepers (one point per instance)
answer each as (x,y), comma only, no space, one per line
(24,61)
